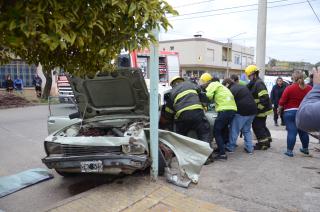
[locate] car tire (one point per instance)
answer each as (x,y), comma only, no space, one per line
(66,174)
(161,163)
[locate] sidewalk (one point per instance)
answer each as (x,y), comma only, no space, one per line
(265,181)
(134,194)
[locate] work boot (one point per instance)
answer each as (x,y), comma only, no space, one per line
(268,143)
(221,157)
(261,146)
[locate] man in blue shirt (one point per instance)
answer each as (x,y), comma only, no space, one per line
(18,85)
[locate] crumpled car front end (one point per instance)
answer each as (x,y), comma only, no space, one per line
(109,147)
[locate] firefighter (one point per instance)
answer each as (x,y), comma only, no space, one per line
(260,94)
(183,104)
(226,107)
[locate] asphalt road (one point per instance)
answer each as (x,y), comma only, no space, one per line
(22,131)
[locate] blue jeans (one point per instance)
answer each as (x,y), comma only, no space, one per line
(221,129)
(290,122)
(241,123)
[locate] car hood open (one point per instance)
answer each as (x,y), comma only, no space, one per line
(122,91)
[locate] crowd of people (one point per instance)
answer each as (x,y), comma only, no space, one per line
(242,106)
(17,84)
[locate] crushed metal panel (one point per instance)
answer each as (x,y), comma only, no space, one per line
(191,153)
(16,182)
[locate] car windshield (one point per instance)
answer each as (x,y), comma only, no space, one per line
(56,108)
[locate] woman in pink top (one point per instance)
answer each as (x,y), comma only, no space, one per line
(290,102)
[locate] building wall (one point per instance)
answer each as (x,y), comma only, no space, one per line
(244,54)
(204,55)
(184,49)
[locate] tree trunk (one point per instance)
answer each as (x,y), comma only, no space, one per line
(47,87)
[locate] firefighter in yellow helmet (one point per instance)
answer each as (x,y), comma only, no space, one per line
(184,106)
(260,94)
(226,107)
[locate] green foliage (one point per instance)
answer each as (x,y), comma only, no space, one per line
(272,62)
(80,36)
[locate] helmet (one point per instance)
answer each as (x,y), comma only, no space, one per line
(175,79)
(250,70)
(205,78)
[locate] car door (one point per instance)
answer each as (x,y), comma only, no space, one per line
(58,117)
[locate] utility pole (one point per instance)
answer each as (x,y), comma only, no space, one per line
(228,58)
(154,105)
(261,36)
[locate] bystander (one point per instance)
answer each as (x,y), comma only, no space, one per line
(290,102)
(9,84)
(308,115)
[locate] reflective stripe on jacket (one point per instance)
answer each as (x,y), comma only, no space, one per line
(260,94)
(183,97)
(222,97)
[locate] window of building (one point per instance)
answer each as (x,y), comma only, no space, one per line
(171,48)
(210,55)
(226,54)
(237,59)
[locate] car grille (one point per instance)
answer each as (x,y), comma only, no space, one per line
(77,150)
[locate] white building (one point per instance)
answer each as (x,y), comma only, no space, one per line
(199,55)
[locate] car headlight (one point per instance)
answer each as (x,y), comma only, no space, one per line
(134,149)
(52,148)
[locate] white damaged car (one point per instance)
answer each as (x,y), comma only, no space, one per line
(111,133)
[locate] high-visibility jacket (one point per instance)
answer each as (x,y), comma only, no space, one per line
(222,97)
(260,94)
(183,97)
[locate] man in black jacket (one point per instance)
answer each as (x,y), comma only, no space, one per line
(184,106)
(276,94)
(242,121)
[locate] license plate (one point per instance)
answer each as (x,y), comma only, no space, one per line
(91,166)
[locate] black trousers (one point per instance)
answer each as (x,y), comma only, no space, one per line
(276,116)
(260,129)
(221,129)
(194,120)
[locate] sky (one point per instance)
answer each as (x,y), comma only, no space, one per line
(293,30)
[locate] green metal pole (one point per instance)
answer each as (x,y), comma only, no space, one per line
(154,105)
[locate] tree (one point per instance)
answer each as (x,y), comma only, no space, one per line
(80,36)
(317,64)
(272,62)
